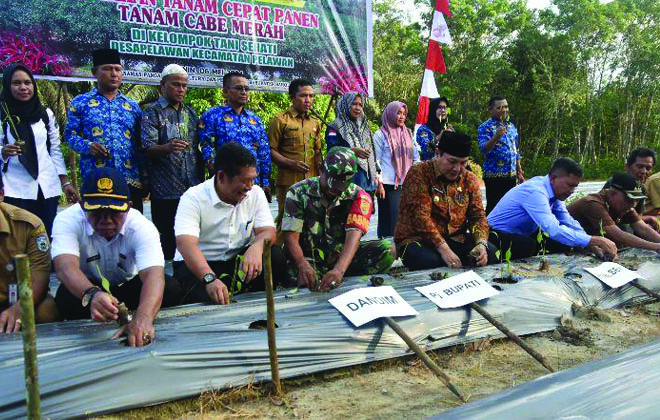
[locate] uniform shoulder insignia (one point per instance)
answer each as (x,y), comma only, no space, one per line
(42,242)
(423,134)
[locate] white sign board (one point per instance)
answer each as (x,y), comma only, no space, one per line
(613,275)
(368,303)
(458,291)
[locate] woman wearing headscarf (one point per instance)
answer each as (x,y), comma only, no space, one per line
(395,154)
(351,129)
(33,167)
(428,134)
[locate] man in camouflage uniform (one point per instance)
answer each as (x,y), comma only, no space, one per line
(324,219)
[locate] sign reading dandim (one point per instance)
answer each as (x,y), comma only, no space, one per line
(458,291)
(366,304)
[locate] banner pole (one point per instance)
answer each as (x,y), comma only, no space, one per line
(24,278)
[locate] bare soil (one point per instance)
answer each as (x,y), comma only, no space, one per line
(405,388)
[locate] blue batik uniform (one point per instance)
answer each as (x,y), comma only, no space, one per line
(426,140)
(222,125)
(502,158)
(115,124)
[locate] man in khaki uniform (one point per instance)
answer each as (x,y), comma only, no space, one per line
(294,144)
(22,232)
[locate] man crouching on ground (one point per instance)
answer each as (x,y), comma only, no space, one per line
(324,219)
(221,226)
(103,238)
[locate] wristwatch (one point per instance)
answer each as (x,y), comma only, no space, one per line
(209,278)
(89,295)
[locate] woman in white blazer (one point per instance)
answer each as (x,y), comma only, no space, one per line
(33,168)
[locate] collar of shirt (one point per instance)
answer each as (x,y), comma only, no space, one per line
(548,189)
(295,114)
(215,199)
(315,191)
(95,92)
(164,103)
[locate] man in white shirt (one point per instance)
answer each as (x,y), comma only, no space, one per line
(101,240)
(221,226)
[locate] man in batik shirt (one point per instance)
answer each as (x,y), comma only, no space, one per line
(231,122)
(500,144)
(103,126)
(324,219)
(169,139)
(441,216)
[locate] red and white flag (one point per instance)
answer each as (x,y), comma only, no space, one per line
(435,62)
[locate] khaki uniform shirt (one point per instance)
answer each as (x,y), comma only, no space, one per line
(295,136)
(21,232)
(594,213)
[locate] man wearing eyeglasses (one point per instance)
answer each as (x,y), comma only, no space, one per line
(231,122)
(103,240)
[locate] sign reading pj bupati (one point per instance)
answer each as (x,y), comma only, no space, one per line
(458,291)
(273,41)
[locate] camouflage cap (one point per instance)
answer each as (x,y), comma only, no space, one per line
(340,162)
(340,165)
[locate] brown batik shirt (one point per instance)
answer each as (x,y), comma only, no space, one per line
(433,209)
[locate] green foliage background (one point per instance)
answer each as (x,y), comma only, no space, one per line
(582,78)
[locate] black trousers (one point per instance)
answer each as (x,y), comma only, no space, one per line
(194,290)
(70,306)
(523,246)
(423,256)
(496,187)
(388,211)
(162,214)
(136,195)
(43,208)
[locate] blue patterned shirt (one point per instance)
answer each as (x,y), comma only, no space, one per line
(426,140)
(115,124)
(502,158)
(222,125)
(173,174)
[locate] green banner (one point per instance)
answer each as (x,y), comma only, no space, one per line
(273,41)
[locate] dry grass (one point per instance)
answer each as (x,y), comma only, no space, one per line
(404,387)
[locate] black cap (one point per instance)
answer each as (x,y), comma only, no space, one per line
(105,56)
(456,144)
(627,184)
(105,188)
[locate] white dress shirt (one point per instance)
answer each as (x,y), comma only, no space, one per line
(134,248)
(223,229)
(384,157)
(18,182)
